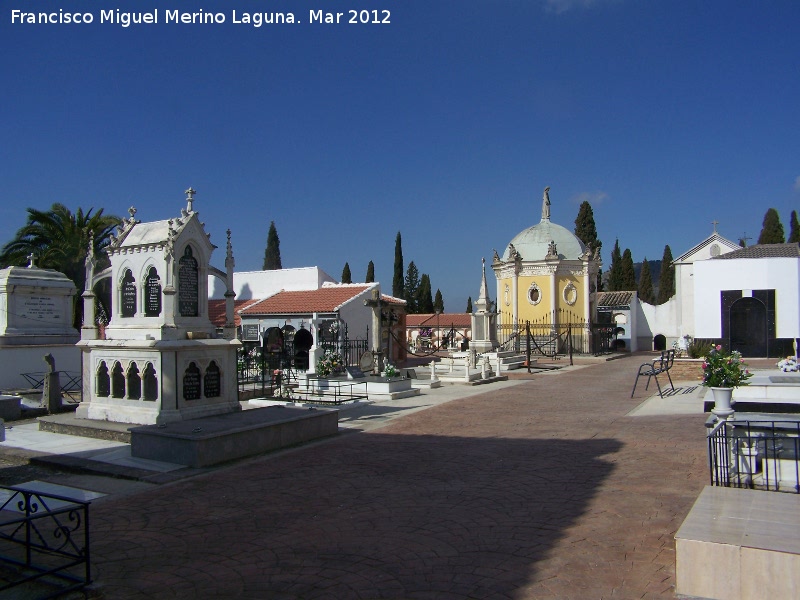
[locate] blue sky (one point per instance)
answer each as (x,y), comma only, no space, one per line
(445,124)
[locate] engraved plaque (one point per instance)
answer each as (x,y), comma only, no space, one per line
(128,295)
(191,383)
(211,381)
(152,294)
(187,285)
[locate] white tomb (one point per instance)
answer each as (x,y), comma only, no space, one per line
(160,359)
(36,306)
(36,313)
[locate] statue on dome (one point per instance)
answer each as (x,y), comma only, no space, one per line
(546,204)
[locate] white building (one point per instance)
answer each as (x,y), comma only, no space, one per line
(262,284)
(750,299)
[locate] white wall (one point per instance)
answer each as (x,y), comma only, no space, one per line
(661,319)
(714,276)
(30,359)
(263,284)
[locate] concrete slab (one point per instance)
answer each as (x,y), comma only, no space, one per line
(222,438)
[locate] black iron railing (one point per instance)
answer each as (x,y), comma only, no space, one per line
(757,454)
(44,543)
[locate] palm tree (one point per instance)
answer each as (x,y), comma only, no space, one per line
(59,239)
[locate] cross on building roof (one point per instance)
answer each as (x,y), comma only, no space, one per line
(715,223)
(189,199)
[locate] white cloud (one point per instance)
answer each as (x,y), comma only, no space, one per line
(592,198)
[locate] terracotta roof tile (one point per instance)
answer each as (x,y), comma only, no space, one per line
(326,299)
(216,311)
(791,250)
(614,298)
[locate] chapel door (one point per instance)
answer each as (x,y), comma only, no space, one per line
(749,327)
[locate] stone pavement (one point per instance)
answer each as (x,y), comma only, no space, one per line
(543,489)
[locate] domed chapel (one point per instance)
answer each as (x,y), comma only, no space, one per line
(546,275)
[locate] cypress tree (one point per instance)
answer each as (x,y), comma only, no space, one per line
(772,229)
(438,302)
(585,228)
(272,253)
(346,276)
(794,228)
(627,273)
(469,305)
(370,278)
(424,298)
(646,284)
(666,284)
(397,280)
(411,288)
(615,271)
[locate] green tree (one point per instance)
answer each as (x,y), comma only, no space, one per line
(615,271)
(794,228)
(438,302)
(586,231)
(627,272)
(346,275)
(469,304)
(585,228)
(272,253)
(59,239)
(666,283)
(410,288)
(646,293)
(771,229)
(397,281)
(370,278)
(424,298)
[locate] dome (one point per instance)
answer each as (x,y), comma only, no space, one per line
(533,242)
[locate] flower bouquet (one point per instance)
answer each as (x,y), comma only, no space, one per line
(789,364)
(330,363)
(723,369)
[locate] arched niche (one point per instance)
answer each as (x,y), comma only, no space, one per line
(188,284)
(134,382)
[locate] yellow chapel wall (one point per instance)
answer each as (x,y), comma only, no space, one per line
(575,310)
(540,312)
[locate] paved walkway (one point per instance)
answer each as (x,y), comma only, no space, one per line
(543,489)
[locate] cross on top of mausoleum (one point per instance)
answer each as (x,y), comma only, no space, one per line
(189,199)
(715,223)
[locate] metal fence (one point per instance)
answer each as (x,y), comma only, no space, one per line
(755,454)
(44,544)
(257,366)
(559,333)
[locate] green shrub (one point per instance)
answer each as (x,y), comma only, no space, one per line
(699,349)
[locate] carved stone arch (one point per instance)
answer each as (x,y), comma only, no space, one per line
(102,380)
(150,383)
(117,380)
(134,381)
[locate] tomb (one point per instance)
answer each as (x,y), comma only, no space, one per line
(36,307)
(160,359)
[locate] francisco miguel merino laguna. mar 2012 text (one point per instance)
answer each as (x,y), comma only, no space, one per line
(200,17)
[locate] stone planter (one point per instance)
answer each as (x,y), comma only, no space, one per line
(722,402)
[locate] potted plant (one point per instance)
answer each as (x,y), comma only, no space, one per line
(390,371)
(722,372)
